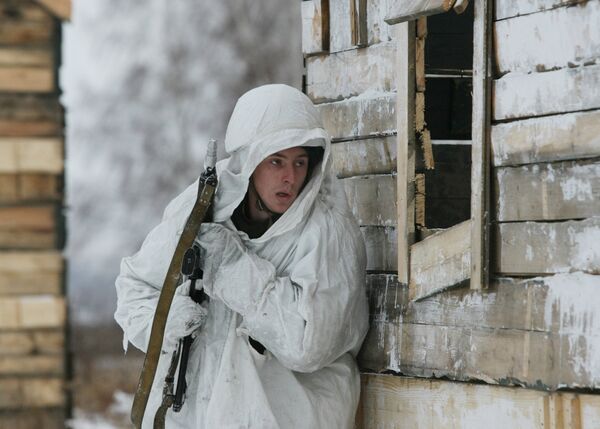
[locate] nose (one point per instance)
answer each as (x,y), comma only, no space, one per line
(289,175)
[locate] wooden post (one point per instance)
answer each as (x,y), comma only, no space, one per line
(480,166)
(405,119)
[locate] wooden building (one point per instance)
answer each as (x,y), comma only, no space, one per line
(34,364)
(467,137)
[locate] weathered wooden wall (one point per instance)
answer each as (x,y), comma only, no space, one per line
(34,368)
(536,326)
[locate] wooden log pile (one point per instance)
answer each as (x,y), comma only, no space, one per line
(34,368)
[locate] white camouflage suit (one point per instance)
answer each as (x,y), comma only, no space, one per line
(298,289)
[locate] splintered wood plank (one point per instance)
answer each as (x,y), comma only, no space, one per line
(529,248)
(25,188)
(31,392)
(389,401)
(522,42)
(31,312)
(315,26)
(382,245)
(494,335)
(480,144)
(440,261)
(350,73)
(31,155)
(557,191)
(560,91)
(510,8)
(32,342)
(372,199)
(552,138)
(32,365)
(367,115)
(364,157)
(27,79)
(405,141)
(401,11)
(24,273)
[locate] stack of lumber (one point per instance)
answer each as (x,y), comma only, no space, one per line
(33,322)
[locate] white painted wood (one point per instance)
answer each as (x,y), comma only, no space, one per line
(557,191)
(440,261)
(560,91)
(496,336)
(382,245)
(366,115)
(378,30)
(364,157)
(522,43)
(389,401)
(402,11)
(29,312)
(372,199)
(350,73)
(340,25)
(510,8)
(530,248)
(31,155)
(552,138)
(312,28)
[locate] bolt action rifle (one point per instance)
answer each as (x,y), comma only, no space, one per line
(180,264)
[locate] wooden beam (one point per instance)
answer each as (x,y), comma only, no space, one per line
(367,115)
(32,365)
(31,155)
(440,261)
(510,8)
(402,11)
(350,73)
(537,94)
(532,248)
(389,401)
(480,144)
(405,111)
(32,342)
(23,273)
(59,8)
(492,336)
(36,57)
(31,392)
(556,191)
(521,43)
(372,199)
(21,33)
(364,157)
(551,138)
(27,79)
(315,26)
(28,188)
(31,312)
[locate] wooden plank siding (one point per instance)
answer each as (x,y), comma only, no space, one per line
(31,155)
(30,188)
(552,138)
(402,11)
(532,248)
(398,402)
(31,392)
(315,26)
(363,157)
(547,191)
(372,199)
(537,94)
(32,312)
(350,73)
(522,43)
(35,341)
(505,9)
(539,333)
(30,227)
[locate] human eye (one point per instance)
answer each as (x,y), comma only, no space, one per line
(300,163)
(275,161)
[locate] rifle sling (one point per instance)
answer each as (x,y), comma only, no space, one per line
(190,231)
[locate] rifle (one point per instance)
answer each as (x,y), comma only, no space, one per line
(206,189)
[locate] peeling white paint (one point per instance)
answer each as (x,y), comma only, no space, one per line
(573,303)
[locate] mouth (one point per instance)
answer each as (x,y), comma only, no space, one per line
(283,196)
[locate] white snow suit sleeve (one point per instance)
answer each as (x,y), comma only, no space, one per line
(307,317)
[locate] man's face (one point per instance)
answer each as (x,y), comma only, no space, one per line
(278,179)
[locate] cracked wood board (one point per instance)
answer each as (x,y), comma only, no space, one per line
(551,138)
